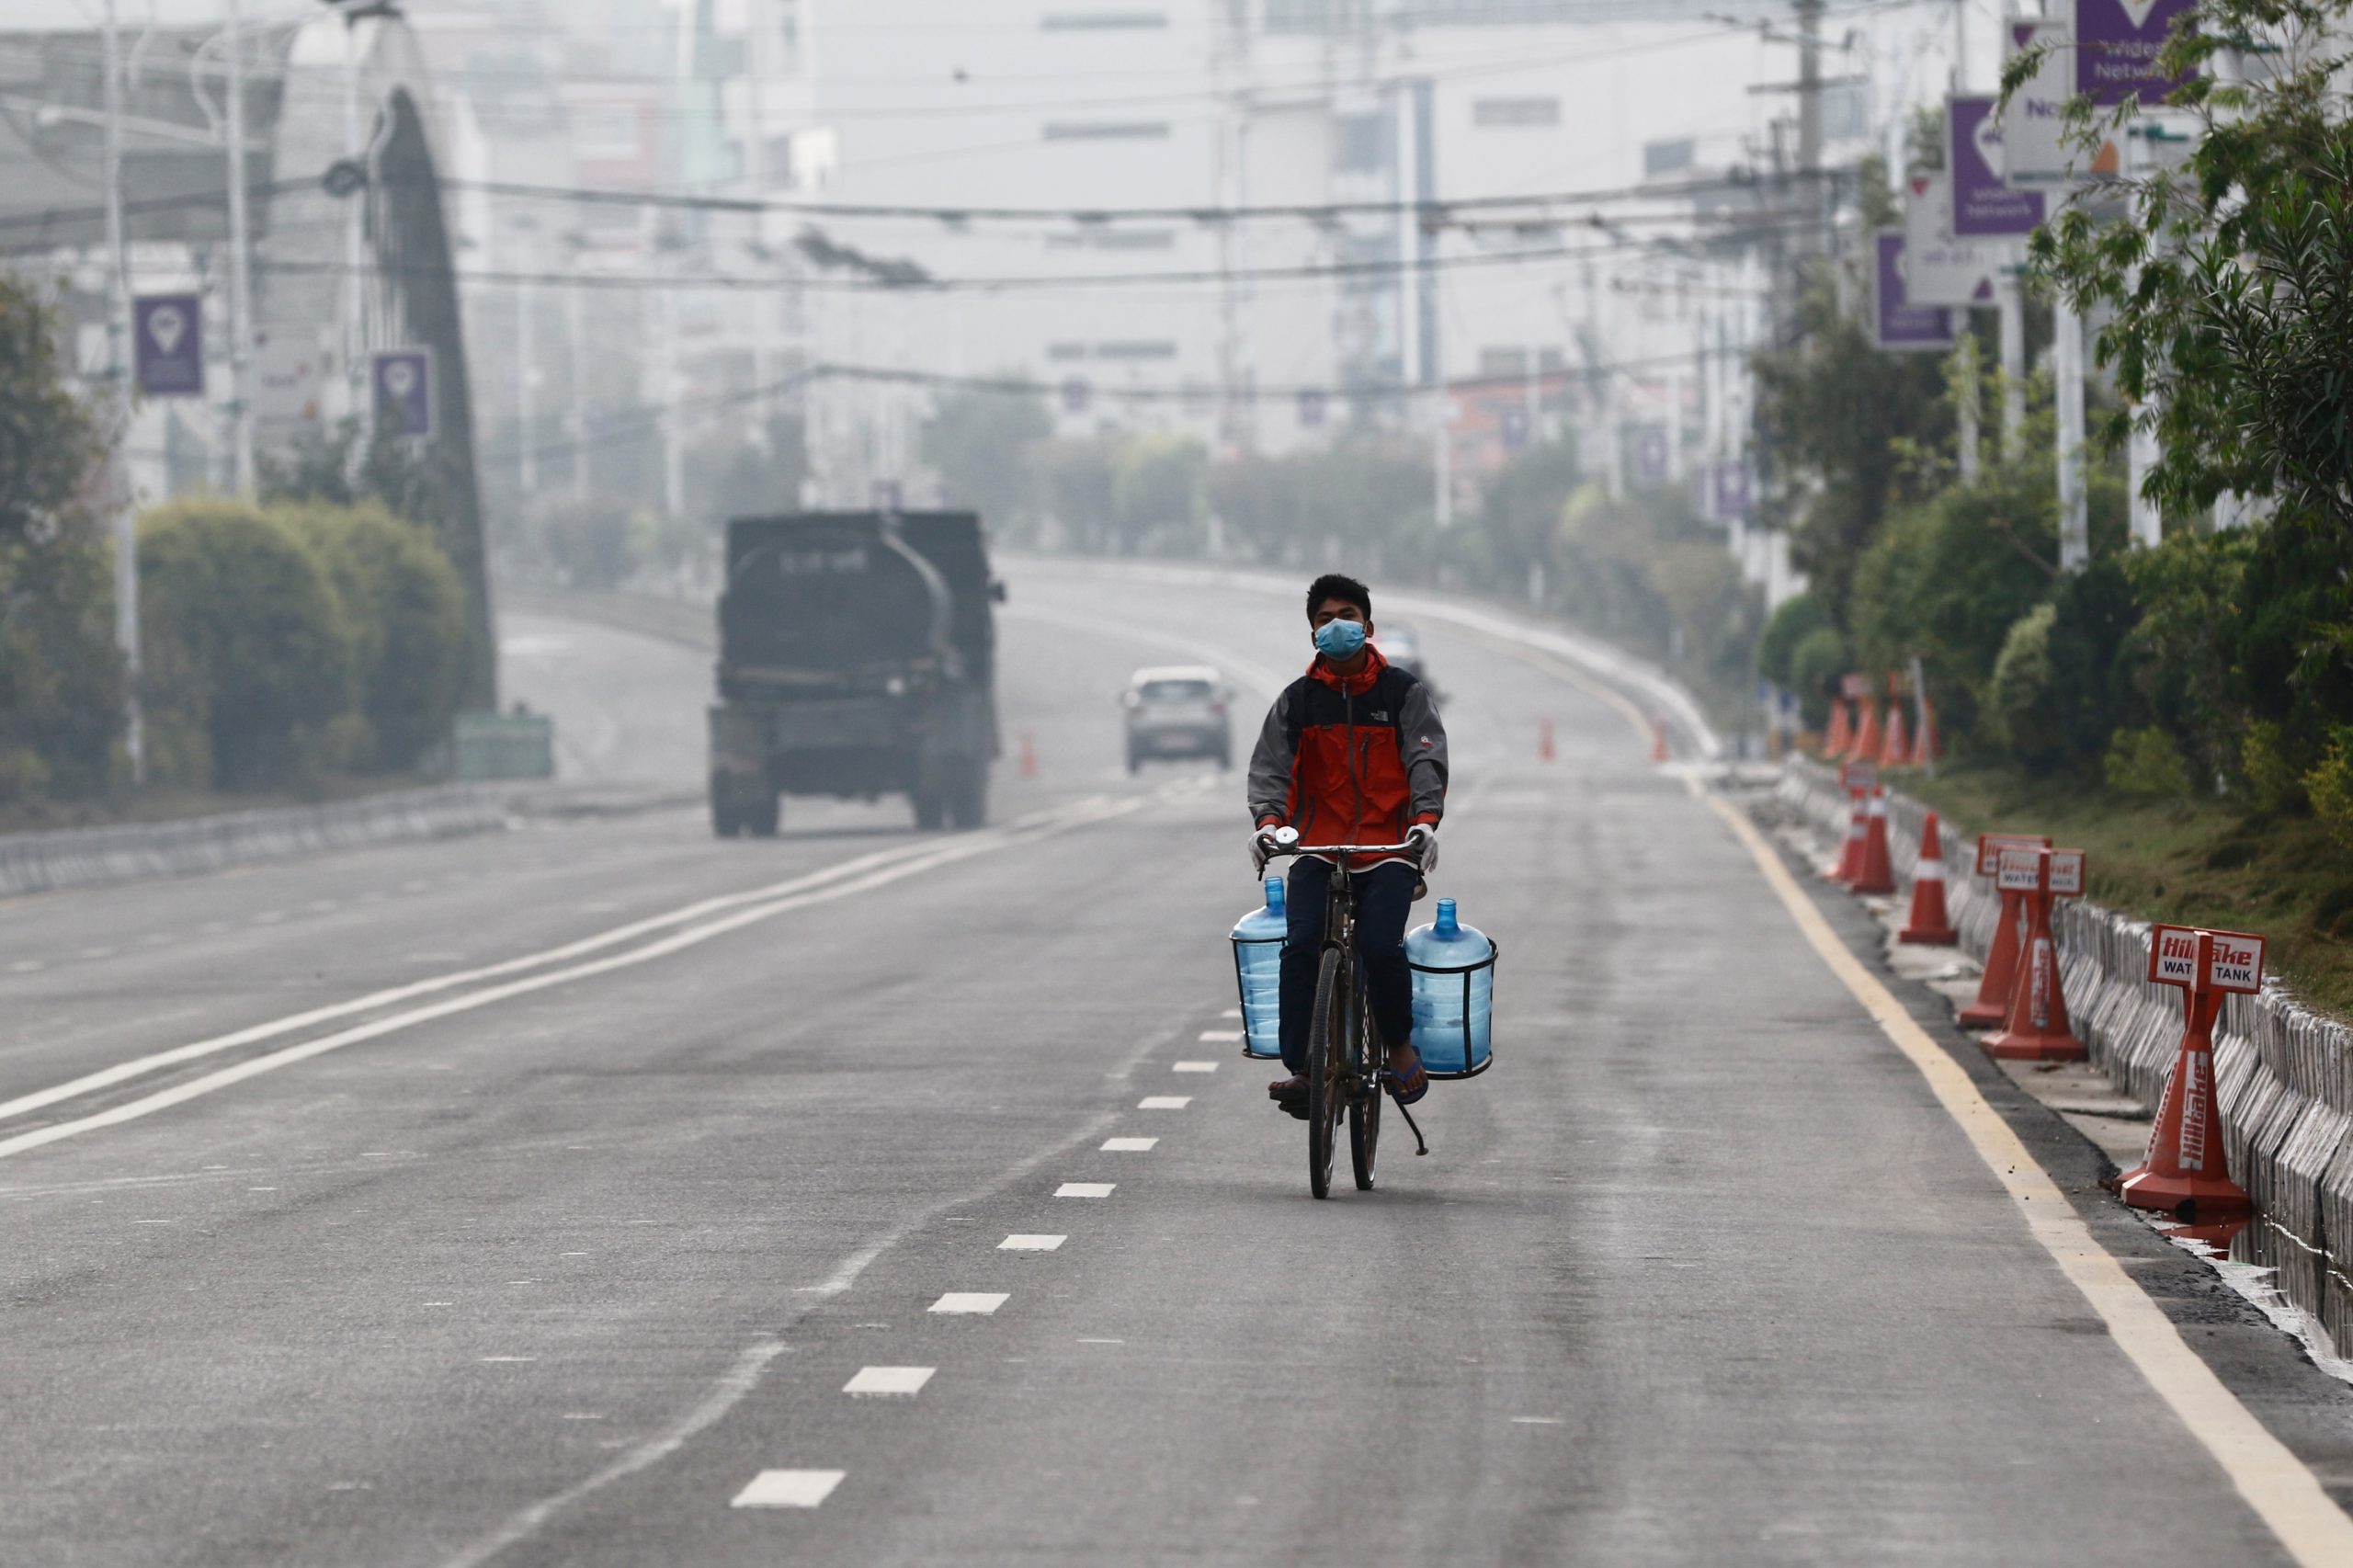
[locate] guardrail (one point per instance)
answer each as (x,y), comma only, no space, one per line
(2283,1075)
(72,858)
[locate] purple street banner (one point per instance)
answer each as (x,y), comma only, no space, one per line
(1897,324)
(1731,491)
(1311,408)
(167,346)
(403,381)
(1984,204)
(1650,457)
(2116,43)
(1514,429)
(1076,394)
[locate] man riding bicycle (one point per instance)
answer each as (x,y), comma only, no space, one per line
(1352,753)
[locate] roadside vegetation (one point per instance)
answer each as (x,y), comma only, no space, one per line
(2184,712)
(306,646)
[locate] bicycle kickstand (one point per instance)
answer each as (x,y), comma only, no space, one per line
(1420,1147)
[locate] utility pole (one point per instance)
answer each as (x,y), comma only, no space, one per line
(354,283)
(575,299)
(2007,298)
(760,18)
(2067,389)
(241,307)
(119,329)
(1817,202)
(527,373)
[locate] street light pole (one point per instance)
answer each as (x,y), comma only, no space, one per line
(119,327)
(241,414)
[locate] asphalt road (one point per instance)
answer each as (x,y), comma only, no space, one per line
(550,1264)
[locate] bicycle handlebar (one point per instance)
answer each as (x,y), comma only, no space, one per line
(1277,846)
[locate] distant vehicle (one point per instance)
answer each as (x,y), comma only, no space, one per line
(1177,710)
(856,658)
(1402,646)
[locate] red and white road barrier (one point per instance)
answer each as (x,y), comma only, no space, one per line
(2186,1171)
(1876,875)
(2037,1028)
(1993,1004)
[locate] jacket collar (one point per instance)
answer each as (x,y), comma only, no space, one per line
(1355,684)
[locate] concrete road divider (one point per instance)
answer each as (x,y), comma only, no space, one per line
(72,858)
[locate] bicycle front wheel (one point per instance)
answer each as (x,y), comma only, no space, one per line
(1364,1102)
(1328,1071)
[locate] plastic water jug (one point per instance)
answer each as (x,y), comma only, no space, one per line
(1454,977)
(1258,963)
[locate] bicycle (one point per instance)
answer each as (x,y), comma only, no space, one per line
(1345,1054)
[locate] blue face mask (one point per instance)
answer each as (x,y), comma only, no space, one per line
(1340,640)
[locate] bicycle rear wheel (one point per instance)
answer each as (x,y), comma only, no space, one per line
(1327,1085)
(1364,1102)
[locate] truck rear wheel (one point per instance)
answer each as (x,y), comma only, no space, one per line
(931,807)
(762,815)
(967,793)
(725,820)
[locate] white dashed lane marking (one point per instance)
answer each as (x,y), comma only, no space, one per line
(789,1489)
(1164,1102)
(1195,1067)
(1030,1243)
(982,1302)
(1220,1037)
(1128,1145)
(887,1381)
(1230,1012)
(1085,1189)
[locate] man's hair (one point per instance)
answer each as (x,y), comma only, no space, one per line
(1334,586)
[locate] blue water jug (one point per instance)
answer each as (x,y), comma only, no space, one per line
(1454,978)
(1258,963)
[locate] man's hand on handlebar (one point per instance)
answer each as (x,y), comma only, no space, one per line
(1265,839)
(1423,837)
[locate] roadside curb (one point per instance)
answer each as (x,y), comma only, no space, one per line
(2265,1366)
(2283,1075)
(92,857)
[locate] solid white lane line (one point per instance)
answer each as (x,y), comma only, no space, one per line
(678,941)
(1230,1012)
(789,1489)
(1128,1145)
(2266,1472)
(1197,1067)
(898,1382)
(1220,1037)
(155,1063)
(1085,1189)
(1164,1102)
(982,1301)
(1030,1243)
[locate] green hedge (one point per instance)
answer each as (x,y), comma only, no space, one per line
(288,641)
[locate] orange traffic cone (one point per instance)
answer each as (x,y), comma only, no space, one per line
(1543,740)
(1849,864)
(1866,747)
(1659,752)
(1993,1004)
(1029,756)
(2188,1168)
(2038,1028)
(1875,875)
(1929,926)
(1896,750)
(1925,747)
(1837,738)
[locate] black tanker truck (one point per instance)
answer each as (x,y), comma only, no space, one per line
(856,658)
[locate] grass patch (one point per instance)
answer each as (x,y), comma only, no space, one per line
(2196,862)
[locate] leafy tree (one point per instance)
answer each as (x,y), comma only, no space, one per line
(2228,281)
(1833,418)
(1156,494)
(732,477)
(61,681)
(980,442)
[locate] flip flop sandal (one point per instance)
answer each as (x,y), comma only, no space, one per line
(1406,1091)
(1290,1095)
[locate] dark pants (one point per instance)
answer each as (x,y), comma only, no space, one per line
(1384,897)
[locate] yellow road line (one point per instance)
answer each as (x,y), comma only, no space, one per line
(2275,1484)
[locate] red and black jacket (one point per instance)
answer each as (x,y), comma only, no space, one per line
(1350,759)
